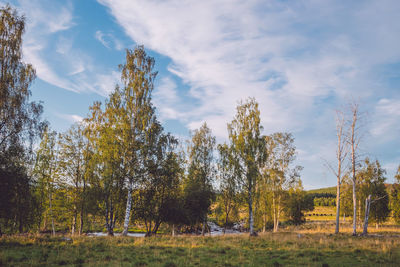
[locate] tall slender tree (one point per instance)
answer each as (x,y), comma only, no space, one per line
(341,155)
(228,182)
(72,164)
(46,173)
(201,171)
(136,113)
(19,119)
(353,140)
(247,147)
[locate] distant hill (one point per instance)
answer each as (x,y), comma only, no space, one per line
(326,190)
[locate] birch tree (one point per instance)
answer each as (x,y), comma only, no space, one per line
(246,143)
(46,173)
(201,171)
(136,113)
(281,156)
(73,165)
(353,140)
(228,182)
(107,173)
(20,121)
(341,155)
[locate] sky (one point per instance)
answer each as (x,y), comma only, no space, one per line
(301,60)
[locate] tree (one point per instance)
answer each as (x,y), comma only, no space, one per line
(228,183)
(296,202)
(46,173)
(200,174)
(341,155)
(107,172)
(73,162)
(395,197)
(136,114)
(162,184)
(19,118)
(353,140)
(372,188)
(281,156)
(247,147)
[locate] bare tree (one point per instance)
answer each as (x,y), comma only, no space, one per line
(341,155)
(353,140)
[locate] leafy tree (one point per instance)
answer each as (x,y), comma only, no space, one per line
(228,183)
(395,197)
(296,202)
(19,120)
(107,173)
(73,162)
(162,184)
(372,183)
(46,174)
(136,113)
(247,148)
(281,155)
(199,189)
(18,205)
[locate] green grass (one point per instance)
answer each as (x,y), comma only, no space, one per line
(282,249)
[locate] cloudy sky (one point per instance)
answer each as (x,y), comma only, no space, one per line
(301,60)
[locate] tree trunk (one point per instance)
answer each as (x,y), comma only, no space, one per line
(128,209)
(73,226)
(173,229)
(264,221)
(354,207)
(51,214)
(274,210)
(203,228)
(337,204)
(278,213)
(81,223)
(367,206)
(251,218)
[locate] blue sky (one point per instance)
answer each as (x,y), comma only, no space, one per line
(301,60)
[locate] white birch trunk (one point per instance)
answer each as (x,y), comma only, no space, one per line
(128,209)
(367,206)
(337,205)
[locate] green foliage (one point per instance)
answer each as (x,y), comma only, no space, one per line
(372,180)
(198,191)
(324,192)
(324,201)
(296,202)
(19,125)
(247,148)
(395,197)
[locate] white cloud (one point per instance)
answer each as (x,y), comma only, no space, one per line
(108,39)
(100,37)
(386,118)
(298,59)
(71,118)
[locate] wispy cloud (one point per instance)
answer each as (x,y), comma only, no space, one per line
(56,54)
(385,119)
(71,118)
(299,59)
(108,40)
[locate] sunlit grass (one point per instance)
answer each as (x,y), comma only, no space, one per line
(300,246)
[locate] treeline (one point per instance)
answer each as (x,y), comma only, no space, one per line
(119,167)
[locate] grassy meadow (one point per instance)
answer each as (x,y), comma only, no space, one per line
(308,245)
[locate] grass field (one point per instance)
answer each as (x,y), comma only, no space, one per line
(302,247)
